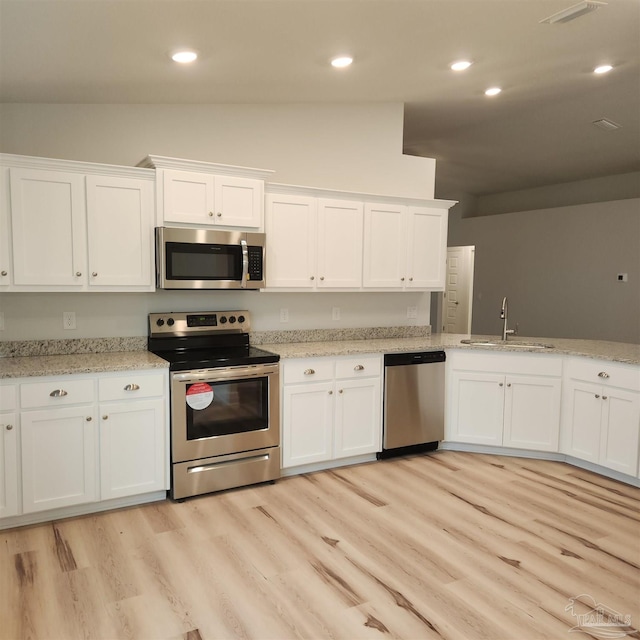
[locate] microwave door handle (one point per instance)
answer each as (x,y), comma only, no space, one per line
(245,264)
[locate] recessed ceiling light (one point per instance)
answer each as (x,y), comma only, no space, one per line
(493,91)
(341,61)
(574,12)
(184,56)
(603,68)
(461,65)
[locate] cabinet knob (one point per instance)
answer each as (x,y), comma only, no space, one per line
(94,274)
(211,214)
(88,418)
(309,372)
(132,387)
(340,391)
(321,277)
(78,273)
(358,367)
(597,395)
(9,427)
(4,273)
(603,374)
(330,393)
(500,384)
(58,393)
(219,214)
(410,279)
(604,397)
(105,417)
(312,278)
(508,384)
(401,279)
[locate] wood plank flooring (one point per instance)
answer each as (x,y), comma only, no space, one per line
(447,545)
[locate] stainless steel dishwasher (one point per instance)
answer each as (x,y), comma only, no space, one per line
(413,402)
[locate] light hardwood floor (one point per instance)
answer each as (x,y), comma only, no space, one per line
(447,545)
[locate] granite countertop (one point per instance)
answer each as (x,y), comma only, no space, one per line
(596,349)
(54,365)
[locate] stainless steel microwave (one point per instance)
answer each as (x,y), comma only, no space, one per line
(209,259)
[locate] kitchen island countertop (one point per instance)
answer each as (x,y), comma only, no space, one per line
(596,349)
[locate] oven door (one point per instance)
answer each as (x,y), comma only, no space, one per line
(221,411)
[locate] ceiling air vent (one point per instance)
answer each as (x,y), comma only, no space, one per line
(606,125)
(573,12)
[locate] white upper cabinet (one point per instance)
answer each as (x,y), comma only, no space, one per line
(189,192)
(75,226)
(120,224)
(339,244)
(404,247)
(48,221)
(290,224)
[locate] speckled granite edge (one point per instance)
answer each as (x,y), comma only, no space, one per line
(23,348)
(337,335)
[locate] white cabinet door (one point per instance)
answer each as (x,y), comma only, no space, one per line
(238,202)
(132,448)
(6,269)
(477,407)
(9,468)
(59,458)
(48,227)
(357,417)
(120,231)
(532,413)
(620,430)
(427,254)
(339,243)
(188,197)
(583,409)
(385,246)
(291,241)
(307,423)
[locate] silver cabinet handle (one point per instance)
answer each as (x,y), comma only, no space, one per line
(309,372)
(597,395)
(4,273)
(58,393)
(9,427)
(245,263)
(78,273)
(132,387)
(88,418)
(603,374)
(358,367)
(105,417)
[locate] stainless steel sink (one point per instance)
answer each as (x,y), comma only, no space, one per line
(507,343)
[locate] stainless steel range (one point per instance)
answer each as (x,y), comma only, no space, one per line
(225,411)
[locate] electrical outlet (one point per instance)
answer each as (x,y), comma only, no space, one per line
(284,315)
(623,277)
(1,320)
(335,313)
(68,319)
(412,312)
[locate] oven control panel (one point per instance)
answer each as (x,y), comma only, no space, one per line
(198,323)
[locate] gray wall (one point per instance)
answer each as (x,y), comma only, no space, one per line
(558,268)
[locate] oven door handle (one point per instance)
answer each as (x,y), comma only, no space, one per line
(226,373)
(245,264)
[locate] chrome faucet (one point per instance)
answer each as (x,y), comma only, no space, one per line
(504,312)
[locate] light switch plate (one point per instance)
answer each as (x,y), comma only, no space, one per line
(335,313)
(68,319)
(284,315)
(412,312)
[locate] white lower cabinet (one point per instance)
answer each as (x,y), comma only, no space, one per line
(8,452)
(82,440)
(601,414)
(331,409)
(489,403)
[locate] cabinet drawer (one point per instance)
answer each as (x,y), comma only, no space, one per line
(308,370)
(56,393)
(614,374)
(131,387)
(8,398)
(359,366)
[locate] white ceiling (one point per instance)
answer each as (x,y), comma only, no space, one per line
(537,132)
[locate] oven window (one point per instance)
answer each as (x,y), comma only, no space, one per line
(229,407)
(187,261)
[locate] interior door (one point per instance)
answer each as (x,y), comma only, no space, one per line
(458,296)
